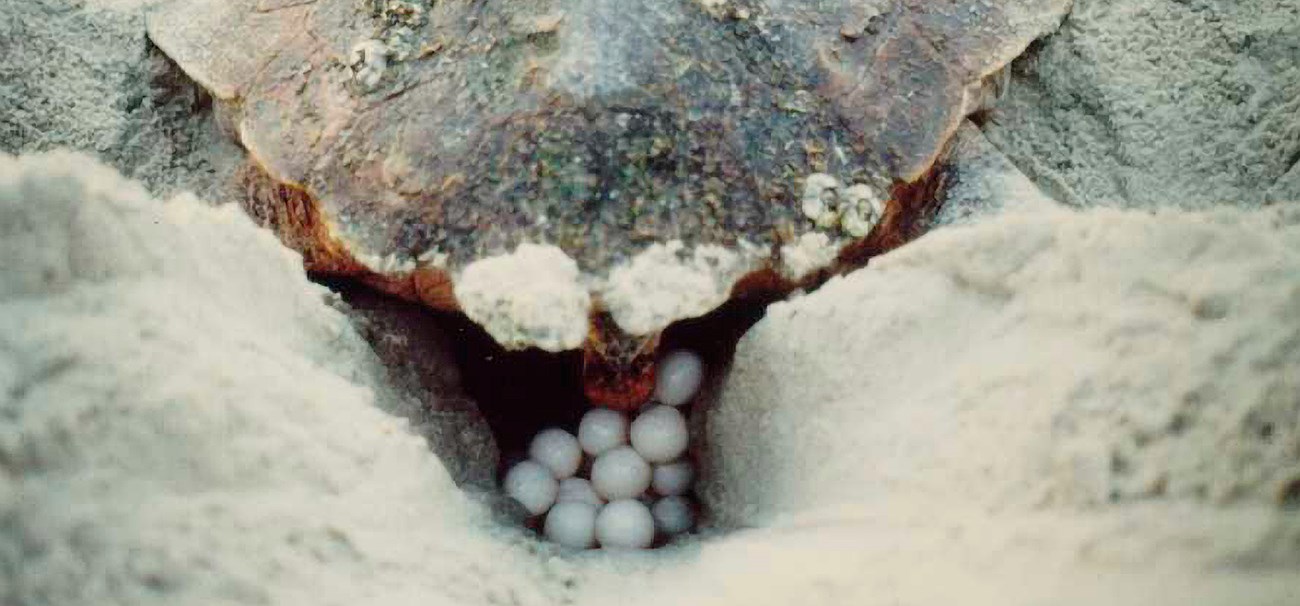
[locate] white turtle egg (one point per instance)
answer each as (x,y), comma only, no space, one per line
(602,429)
(673,515)
(659,434)
(620,474)
(669,479)
(578,489)
(571,524)
(558,450)
(626,524)
(678,377)
(532,484)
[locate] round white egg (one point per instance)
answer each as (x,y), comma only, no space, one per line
(678,377)
(659,434)
(571,524)
(620,473)
(558,450)
(602,429)
(625,524)
(669,479)
(673,515)
(532,484)
(578,489)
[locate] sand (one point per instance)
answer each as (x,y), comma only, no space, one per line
(187,419)
(81,74)
(1057,399)
(1032,404)
(1137,104)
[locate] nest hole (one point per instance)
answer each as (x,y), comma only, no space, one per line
(520,393)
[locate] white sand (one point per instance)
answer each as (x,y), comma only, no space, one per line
(1055,405)
(1098,408)
(532,296)
(183,419)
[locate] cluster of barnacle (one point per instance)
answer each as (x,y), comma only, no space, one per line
(398,13)
(855,209)
(616,484)
(368,62)
(398,39)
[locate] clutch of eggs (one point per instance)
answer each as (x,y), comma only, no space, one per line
(639,476)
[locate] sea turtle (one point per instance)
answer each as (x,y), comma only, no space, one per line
(581,173)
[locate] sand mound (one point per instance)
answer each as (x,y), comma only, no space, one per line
(185,420)
(1129,356)
(1047,403)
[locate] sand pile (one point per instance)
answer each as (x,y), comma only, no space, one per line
(1057,406)
(1123,357)
(186,420)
